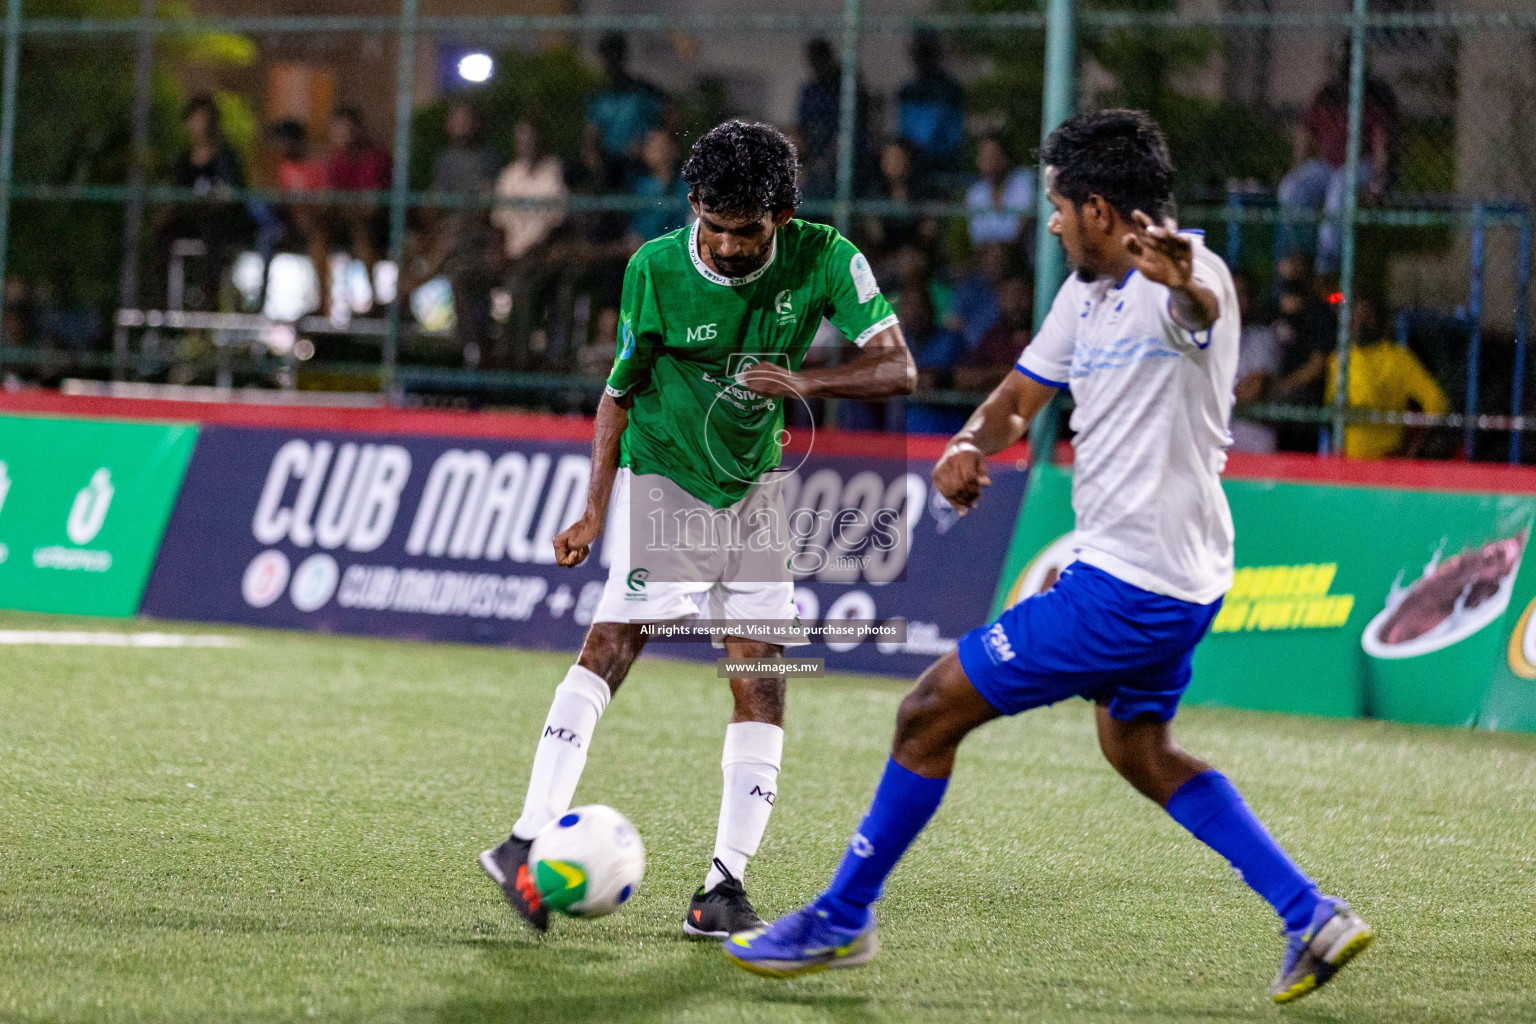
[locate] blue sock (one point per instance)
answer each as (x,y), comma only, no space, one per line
(904,801)
(1215,812)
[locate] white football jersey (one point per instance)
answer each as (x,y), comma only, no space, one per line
(1151,424)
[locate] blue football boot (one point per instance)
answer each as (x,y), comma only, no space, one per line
(803,942)
(1314,955)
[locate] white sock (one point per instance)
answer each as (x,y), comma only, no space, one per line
(562,752)
(753,751)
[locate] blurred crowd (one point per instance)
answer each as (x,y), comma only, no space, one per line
(532,283)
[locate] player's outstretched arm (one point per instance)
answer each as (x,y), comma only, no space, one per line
(1163,256)
(998,422)
(883,369)
(574,543)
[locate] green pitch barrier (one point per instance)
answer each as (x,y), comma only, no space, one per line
(83,505)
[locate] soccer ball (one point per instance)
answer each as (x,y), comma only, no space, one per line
(587,862)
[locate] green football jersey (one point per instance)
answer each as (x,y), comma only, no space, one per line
(685,332)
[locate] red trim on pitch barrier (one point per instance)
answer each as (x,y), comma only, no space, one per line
(434,422)
(1409,474)
(1403,473)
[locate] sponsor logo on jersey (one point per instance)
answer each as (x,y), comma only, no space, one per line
(860,846)
(767,794)
(784,306)
(626,339)
(997,644)
(636,582)
(703,332)
(863,278)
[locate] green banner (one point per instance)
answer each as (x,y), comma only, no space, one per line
(83,504)
(1347,601)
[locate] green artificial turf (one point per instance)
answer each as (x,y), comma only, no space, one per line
(289,830)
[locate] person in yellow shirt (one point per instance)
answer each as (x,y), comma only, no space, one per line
(1386,377)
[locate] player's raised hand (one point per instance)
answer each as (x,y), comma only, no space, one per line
(769,379)
(574,543)
(1159,252)
(961,475)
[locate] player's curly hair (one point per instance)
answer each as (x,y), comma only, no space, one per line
(1119,155)
(744,169)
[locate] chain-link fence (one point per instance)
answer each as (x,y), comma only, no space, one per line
(429,203)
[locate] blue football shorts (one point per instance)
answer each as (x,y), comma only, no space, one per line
(1092,636)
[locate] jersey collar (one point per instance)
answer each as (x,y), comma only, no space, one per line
(721,279)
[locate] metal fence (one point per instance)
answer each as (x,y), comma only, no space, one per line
(1440,221)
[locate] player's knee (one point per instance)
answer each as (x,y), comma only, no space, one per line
(609,654)
(759,700)
(1142,752)
(920,727)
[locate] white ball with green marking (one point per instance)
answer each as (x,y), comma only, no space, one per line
(588,862)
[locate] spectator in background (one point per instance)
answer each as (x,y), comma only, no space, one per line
(817,118)
(662,186)
(983,367)
(913,267)
(1386,377)
(17,325)
(892,232)
(307,225)
(357,164)
(1316,181)
(462,239)
(625,107)
(599,239)
(210,168)
(534,176)
(935,351)
(1307,332)
(930,109)
(977,304)
(1000,186)
(1258,364)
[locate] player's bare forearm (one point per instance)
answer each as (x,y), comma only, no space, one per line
(574,543)
(883,369)
(612,418)
(1005,415)
(961,473)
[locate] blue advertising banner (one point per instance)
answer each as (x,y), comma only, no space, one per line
(442,538)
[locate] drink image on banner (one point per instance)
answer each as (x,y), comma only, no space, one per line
(1420,644)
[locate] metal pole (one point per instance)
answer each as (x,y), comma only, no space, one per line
(1522,327)
(133,210)
(847,116)
(1056,107)
(1475,339)
(405,75)
(1347,228)
(1050,263)
(8,132)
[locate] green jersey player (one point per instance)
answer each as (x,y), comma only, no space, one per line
(715,322)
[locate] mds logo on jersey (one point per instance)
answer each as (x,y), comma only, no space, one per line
(703,332)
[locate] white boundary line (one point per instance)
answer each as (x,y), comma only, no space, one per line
(73,638)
